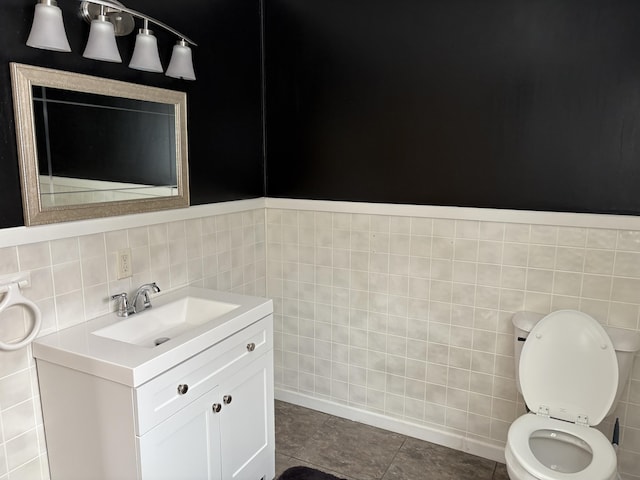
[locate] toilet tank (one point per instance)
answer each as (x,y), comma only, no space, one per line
(625,342)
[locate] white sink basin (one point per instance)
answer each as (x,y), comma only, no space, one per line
(157,325)
(124,349)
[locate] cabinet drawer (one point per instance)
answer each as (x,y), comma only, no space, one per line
(163,396)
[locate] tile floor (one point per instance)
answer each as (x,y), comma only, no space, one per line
(355,451)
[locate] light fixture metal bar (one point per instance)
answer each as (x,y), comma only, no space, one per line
(135,13)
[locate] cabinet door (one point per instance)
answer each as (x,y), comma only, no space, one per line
(186,446)
(247,439)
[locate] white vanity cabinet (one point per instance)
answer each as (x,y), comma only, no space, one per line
(222,435)
(209,417)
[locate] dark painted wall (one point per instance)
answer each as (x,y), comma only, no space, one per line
(224,104)
(523,104)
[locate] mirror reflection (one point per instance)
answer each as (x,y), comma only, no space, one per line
(93,147)
(120,148)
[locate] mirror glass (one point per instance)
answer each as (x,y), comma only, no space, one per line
(92,147)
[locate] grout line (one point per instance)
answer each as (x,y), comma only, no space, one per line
(404,440)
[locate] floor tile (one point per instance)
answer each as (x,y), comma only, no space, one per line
(294,426)
(283,462)
(423,460)
(354,449)
(501,472)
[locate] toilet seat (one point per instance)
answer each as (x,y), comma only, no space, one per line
(603,462)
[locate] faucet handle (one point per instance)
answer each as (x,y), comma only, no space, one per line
(122,304)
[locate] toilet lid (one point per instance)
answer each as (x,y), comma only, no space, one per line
(568,366)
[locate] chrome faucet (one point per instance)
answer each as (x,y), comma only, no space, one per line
(126,308)
(143,292)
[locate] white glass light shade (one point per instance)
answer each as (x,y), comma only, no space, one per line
(181,64)
(145,54)
(102,42)
(47,29)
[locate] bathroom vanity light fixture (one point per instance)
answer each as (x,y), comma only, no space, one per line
(108,19)
(102,40)
(47,30)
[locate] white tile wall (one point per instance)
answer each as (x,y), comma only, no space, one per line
(410,317)
(72,279)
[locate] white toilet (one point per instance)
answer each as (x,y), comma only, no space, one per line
(571,372)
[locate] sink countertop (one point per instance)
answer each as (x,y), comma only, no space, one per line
(78,348)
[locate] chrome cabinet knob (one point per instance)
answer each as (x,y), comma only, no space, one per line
(251,347)
(183,388)
(216,407)
(227,399)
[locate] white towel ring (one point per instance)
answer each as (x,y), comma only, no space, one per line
(14,297)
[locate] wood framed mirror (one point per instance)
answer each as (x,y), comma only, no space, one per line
(91,147)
